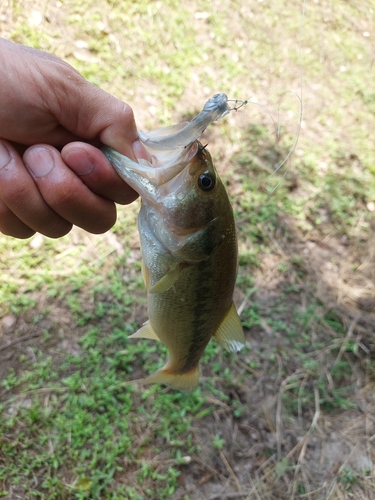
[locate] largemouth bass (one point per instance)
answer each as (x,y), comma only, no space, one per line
(188,243)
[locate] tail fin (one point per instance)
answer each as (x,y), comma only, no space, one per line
(185,381)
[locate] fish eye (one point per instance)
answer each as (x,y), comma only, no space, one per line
(206,181)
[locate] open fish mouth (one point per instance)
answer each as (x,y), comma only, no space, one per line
(159,171)
(170,148)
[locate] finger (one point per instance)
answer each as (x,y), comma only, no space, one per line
(22,198)
(65,192)
(101,116)
(65,107)
(95,171)
(11,225)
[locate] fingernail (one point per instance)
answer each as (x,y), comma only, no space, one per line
(140,151)
(4,155)
(80,162)
(39,161)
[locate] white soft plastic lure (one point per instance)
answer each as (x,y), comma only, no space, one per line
(183,134)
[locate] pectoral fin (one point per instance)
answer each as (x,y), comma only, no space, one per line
(145,332)
(230,333)
(145,275)
(169,279)
(166,282)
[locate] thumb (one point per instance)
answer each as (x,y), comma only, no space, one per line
(88,112)
(96,115)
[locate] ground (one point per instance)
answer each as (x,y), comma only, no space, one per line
(291,416)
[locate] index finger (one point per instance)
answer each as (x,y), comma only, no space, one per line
(96,172)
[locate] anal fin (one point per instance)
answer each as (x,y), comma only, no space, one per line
(145,332)
(230,333)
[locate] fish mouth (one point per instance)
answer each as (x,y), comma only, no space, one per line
(156,178)
(171,149)
(164,165)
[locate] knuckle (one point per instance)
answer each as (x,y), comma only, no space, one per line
(64,197)
(57,230)
(103,223)
(10,225)
(19,231)
(4,211)
(126,114)
(18,194)
(127,111)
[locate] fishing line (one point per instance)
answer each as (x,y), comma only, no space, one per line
(235,107)
(277,125)
(300,99)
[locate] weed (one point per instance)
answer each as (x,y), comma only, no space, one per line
(218,442)
(348,477)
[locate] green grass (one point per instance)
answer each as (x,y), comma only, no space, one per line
(71,419)
(73,425)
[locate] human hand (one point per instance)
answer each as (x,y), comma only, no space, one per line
(49,179)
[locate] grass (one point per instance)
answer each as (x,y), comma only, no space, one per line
(291,416)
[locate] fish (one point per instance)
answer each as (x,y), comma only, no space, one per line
(188,243)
